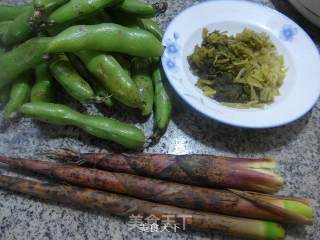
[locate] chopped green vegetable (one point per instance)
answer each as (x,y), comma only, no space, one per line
(241,71)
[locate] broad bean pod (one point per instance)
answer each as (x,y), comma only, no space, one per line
(2,51)
(124,61)
(145,86)
(47,6)
(43,89)
(162,104)
(19,29)
(141,76)
(125,19)
(101,93)
(5,94)
(4,25)
(24,57)
(69,78)
(130,21)
(127,135)
(76,8)
(10,12)
(153,27)
(90,19)
(113,77)
(139,8)
(107,37)
(42,9)
(19,94)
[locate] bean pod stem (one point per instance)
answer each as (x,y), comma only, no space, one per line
(42,9)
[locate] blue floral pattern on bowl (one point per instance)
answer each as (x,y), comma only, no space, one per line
(288,32)
(170,64)
(171,53)
(172,49)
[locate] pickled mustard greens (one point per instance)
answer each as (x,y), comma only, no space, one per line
(242,71)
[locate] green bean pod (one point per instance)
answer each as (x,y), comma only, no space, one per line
(139,8)
(162,104)
(4,91)
(107,37)
(4,28)
(79,66)
(71,81)
(130,21)
(43,89)
(19,94)
(145,86)
(91,19)
(10,12)
(2,51)
(76,8)
(153,27)
(127,135)
(112,77)
(141,76)
(20,29)
(5,94)
(42,9)
(124,62)
(47,6)
(125,19)
(24,57)
(100,92)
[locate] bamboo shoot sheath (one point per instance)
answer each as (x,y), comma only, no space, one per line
(202,170)
(251,205)
(126,206)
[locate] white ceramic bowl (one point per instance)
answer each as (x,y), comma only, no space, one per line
(301,87)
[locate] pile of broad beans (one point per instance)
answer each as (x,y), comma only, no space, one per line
(99,51)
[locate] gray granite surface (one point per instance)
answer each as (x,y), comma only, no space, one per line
(296,146)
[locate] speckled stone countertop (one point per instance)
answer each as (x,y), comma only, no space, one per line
(296,146)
